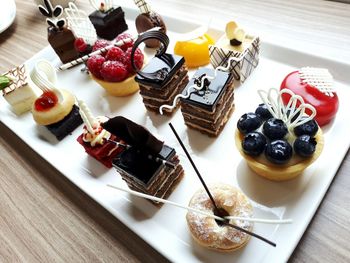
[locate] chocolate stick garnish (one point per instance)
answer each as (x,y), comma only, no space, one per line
(216,209)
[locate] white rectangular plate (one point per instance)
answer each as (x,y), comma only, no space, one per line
(217,158)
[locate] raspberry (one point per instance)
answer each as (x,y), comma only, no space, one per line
(114,71)
(80,45)
(138,58)
(94,65)
(100,43)
(116,54)
(126,45)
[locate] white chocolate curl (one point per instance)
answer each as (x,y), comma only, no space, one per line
(93,132)
(80,24)
(143,6)
(274,103)
(195,87)
(319,78)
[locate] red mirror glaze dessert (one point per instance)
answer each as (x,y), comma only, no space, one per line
(326,103)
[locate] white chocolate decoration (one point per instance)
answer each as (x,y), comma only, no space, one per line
(103,6)
(319,78)
(80,24)
(143,6)
(273,101)
(93,133)
(194,87)
(234,32)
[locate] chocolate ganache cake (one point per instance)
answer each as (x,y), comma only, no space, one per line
(163,77)
(108,20)
(147,165)
(209,108)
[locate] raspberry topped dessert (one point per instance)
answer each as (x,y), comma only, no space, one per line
(97,142)
(279,141)
(316,87)
(113,70)
(108,21)
(147,165)
(239,47)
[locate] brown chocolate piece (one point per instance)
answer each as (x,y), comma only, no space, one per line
(62,42)
(147,21)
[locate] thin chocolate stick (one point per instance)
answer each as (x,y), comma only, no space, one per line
(194,167)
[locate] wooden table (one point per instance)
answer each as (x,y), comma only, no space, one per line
(44,217)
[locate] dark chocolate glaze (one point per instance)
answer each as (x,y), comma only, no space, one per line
(133,134)
(109,24)
(145,22)
(62,42)
(235,42)
(137,163)
(209,96)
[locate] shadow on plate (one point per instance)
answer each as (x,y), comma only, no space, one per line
(199,141)
(45,135)
(115,103)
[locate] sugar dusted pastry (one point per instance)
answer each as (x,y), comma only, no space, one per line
(236,43)
(96,141)
(147,164)
(279,141)
(55,108)
(18,89)
(208,232)
(163,77)
(316,87)
(108,21)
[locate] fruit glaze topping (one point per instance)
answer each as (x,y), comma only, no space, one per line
(315,85)
(277,128)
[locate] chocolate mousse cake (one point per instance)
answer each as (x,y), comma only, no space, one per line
(147,165)
(164,77)
(209,108)
(108,21)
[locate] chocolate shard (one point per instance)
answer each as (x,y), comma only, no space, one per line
(133,134)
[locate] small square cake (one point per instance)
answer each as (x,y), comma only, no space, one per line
(109,24)
(148,175)
(208,109)
(62,41)
(156,92)
(21,92)
(246,50)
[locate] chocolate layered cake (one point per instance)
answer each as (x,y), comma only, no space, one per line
(147,165)
(108,22)
(209,108)
(164,77)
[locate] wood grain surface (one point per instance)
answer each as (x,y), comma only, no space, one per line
(45,218)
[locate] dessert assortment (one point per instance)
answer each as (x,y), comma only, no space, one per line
(278,141)
(236,43)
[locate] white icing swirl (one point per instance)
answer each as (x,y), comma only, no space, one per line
(97,135)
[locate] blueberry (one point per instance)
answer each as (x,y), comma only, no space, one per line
(305,145)
(275,129)
(249,122)
(279,151)
(263,112)
(309,128)
(254,143)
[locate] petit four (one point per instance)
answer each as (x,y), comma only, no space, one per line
(195,51)
(55,109)
(82,28)
(18,89)
(315,86)
(107,20)
(147,164)
(210,104)
(279,141)
(235,43)
(60,37)
(112,69)
(148,19)
(214,234)
(96,141)
(164,76)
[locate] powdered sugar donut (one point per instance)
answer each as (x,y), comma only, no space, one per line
(206,231)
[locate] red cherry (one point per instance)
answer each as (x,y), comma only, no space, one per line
(326,106)
(46,101)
